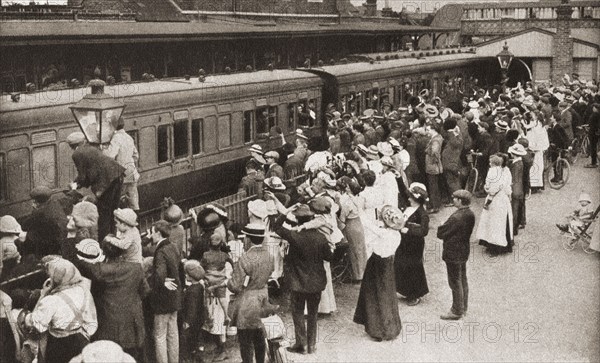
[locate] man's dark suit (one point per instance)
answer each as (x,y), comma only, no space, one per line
(305,272)
(104,176)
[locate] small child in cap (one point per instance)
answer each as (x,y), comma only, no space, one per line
(581,215)
(194,309)
(128,234)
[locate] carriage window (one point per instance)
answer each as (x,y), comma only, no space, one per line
(384,96)
(291,116)
(312,110)
(248,117)
(369,99)
(180,139)
(2,177)
(197,136)
(224,131)
(44,166)
(163,143)
(266,117)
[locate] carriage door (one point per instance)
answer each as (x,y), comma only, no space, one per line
(181,142)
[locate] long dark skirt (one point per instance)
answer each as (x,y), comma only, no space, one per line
(495,249)
(411,281)
(62,350)
(377,307)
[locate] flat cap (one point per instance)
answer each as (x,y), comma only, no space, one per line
(41,194)
(76,138)
(462,194)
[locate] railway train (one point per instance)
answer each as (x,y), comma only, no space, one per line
(193,136)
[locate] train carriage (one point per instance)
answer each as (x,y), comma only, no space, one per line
(360,86)
(192,136)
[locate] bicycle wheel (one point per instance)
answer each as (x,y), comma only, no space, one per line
(472,180)
(558,173)
(585,147)
(585,244)
(339,272)
(569,244)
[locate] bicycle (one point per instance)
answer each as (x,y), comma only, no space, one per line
(473,176)
(340,263)
(558,171)
(583,237)
(581,144)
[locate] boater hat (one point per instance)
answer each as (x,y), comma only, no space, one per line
(254,230)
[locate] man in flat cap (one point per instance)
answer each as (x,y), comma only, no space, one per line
(456,234)
(46,226)
(104,176)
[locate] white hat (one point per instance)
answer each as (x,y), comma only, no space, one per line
(89,250)
(300,134)
(474,104)
(585,196)
(517,149)
(385,148)
(387,161)
(8,224)
(274,183)
(258,208)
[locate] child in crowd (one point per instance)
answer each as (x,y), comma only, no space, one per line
(128,234)
(194,310)
(581,215)
(213,262)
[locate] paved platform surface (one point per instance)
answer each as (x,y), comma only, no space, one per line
(539,304)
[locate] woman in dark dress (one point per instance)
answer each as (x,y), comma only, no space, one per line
(411,281)
(377,307)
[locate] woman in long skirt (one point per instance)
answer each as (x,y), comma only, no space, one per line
(377,307)
(352,226)
(411,281)
(538,143)
(495,230)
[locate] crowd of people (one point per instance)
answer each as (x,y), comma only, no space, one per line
(111,294)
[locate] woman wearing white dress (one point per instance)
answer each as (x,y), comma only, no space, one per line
(538,143)
(495,229)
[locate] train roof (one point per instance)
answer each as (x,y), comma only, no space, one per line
(342,70)
(67,96)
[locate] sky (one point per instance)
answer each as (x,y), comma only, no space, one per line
(425,5)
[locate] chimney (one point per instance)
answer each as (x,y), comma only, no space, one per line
(562,44)
(370,8)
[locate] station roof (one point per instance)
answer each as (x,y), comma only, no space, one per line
(86,32)
(526,4)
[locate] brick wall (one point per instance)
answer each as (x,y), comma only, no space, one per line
(562,62)
(262,6)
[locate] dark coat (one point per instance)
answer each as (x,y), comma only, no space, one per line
(558,136)
(46,228)
(304,263)
(453,148)
(456,234)
(516,170)
(94,169)
(167,262)
(194,309)
(527,164)
(411,280)
(275,170)
(120,287)
(251,183)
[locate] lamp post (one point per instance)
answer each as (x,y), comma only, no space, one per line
(97,113)
(505,57)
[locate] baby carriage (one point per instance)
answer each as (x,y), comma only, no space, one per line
(583,235)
